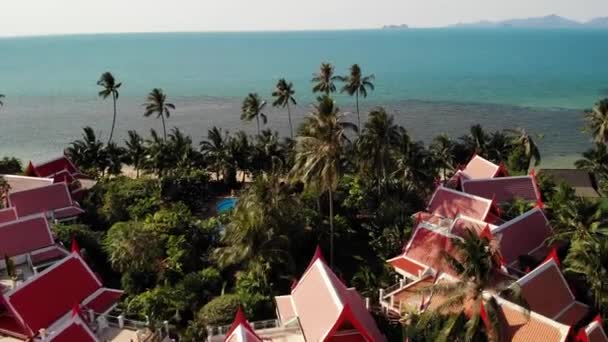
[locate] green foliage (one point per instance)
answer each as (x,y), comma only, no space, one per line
(189,188)
(10,166)
(219,311)
(134,247)
(158,304)
(198,288)
(156,104)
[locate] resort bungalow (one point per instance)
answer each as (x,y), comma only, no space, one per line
(504,189)
(583,182)
(61,170)
(54,200)
(64,301)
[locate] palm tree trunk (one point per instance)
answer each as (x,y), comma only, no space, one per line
(113,119)
(289,116)
(358,115)
(164,128)
(257,119)
(331,229)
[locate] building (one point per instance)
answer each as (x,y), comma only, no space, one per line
(583,182)
(55,200)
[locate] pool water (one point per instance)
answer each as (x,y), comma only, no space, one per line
(226,205)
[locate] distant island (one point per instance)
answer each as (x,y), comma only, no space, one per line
(548,22)
(395,27)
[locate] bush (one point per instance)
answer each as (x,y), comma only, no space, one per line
(219,311)
(190,188)
(10,165)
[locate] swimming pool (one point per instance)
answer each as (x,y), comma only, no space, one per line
(226,205)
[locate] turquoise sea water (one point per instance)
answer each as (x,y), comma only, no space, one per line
(433,80)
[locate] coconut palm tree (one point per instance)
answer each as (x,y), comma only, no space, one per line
(442,148)
(87,153)
(319,151)
(588,260)
(110,88)
(595,160)
(597,121)
(252,109)
(357,84)
(376,144)
(283,95)
(415,167)
(135,154)
(580,219)
(324,80)
(521,139)
(477,264)
(476,141)
(216,152)
(156,103)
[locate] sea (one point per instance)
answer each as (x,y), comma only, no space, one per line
(432,80)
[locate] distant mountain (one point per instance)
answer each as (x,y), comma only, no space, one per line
(549,22)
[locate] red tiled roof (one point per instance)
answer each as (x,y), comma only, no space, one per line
(46,297)
(450,203)
(321,288)
(547,293)
(24,236)
(7,214)
(427,247)
(595,333)
(504,189)
(479,167)
(47,254)
(76,330)
(54,166)
(54,197)
(63,177)
(405,264)
(523,235)
(462,223)
(22,183)
(103,300)
(240,330)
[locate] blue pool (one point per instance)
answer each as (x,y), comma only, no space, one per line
(226,205)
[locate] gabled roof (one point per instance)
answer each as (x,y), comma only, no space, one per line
(479,167)
(49,295)
(547,293)
(73,330)
(26,235)
(519,325)
(54,197)
(523,235)
(451,203)
(22,183)
(462,223)
(52,167)
(426,248)
(324,305)
(240,330)
(503,189)
(583,182)
(595,332)
(7,215)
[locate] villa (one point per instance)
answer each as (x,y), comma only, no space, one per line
(55,200)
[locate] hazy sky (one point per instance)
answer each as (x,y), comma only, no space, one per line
(27,17)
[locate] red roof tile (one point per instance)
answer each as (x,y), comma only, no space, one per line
(46,297)
(451,203)
(595,332)
(103,300)
(479,167)
(47,254)
(24,236)
(75,330)
(504,189)
(51,167)
(427,247)
(573,314)
(522,235)
(405,264)
(54,197)
(7,215)
(547,293)
(321,288)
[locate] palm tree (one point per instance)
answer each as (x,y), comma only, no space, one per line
(110,87)
(580,219)
(252,109)
(114,156)
(87,153)
(283,94)
(376,144)
(324,80)
(597,121)
(319,152)
(476,141)
(2,97)
(521,139)
(477,264)
(356,84)
(588,260)
(136,152)
(415,166)
(157,104)
(215,150)
(442,148)
(158,157)
(595,160)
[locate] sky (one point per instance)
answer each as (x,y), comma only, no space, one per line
(42,17)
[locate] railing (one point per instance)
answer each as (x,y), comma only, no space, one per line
(259,325)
